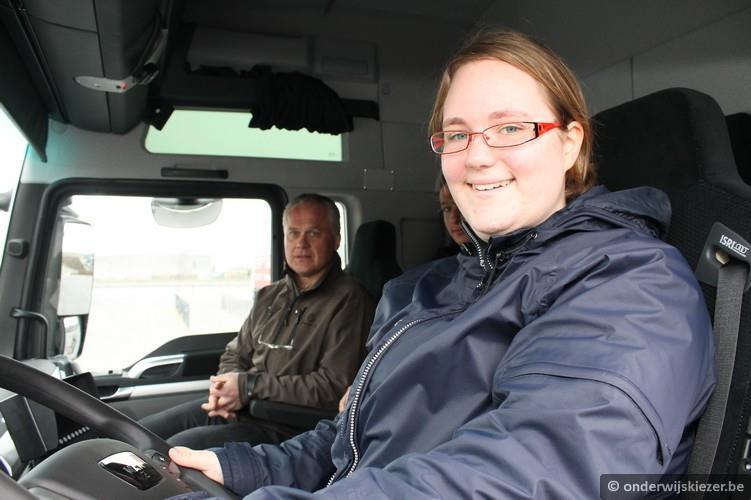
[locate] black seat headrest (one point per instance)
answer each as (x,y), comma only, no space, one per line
(373,256)
(669,139)
(739,128)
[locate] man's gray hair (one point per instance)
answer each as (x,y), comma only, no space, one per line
(317,199)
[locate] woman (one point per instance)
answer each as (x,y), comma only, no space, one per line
(452,221)
(574,344)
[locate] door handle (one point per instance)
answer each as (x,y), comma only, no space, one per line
(137,370)
(119,394)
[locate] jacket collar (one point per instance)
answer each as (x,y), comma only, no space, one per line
(334,269)
(644,209)
(488,252)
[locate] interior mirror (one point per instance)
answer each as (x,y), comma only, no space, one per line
(77,269)
(185,212)
(5,200)
(73,336)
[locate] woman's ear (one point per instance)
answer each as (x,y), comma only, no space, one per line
(572,143)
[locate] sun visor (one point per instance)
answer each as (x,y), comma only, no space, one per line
(279,79)
(18,93)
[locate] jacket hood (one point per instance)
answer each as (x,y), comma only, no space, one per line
(645,209)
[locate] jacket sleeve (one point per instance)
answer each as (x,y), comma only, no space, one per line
(605,380)
(345,339)
(301,462)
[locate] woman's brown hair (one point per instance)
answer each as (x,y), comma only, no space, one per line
(538,61)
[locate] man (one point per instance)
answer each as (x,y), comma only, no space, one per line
(302,342)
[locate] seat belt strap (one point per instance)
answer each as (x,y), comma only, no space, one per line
(730,287)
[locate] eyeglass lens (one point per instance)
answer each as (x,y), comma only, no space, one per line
(500,135)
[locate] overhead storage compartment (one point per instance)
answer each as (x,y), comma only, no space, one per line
(97,42)
(91,63)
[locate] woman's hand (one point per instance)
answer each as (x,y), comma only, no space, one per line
(202,460)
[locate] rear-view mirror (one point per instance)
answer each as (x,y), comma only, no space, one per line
(183,213)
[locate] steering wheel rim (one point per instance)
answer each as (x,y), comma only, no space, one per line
(81,407)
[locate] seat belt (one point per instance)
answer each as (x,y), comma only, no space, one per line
(724,263)
(731,282)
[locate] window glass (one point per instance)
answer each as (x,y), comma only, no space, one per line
(153,282)
(343,250)
(226,133)
(12,151)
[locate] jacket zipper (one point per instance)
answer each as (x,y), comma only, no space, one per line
(480,253)
(488,278)
(358,393)
(501,257)
(352,416)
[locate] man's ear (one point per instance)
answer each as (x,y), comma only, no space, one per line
(337,241)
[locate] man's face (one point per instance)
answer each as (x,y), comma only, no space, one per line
(309,241)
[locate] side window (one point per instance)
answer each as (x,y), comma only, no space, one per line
(344,246)
(162,269)
(226,133)
(12,151)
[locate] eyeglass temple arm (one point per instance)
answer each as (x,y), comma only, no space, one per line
(544,127)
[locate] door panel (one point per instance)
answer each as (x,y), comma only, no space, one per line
(174,276)
(176,372)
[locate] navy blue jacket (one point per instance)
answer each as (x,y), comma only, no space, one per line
(577,348)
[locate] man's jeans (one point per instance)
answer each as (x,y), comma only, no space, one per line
(189,425)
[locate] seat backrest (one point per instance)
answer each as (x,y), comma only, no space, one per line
(739,128)
(677,140)
(373,257)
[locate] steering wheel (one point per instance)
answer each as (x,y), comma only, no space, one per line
(85,409)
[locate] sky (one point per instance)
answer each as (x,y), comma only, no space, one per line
(126,226)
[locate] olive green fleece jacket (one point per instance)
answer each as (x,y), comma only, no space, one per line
(326,326)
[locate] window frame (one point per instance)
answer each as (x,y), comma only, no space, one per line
(55,194)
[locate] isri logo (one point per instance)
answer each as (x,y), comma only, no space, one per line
(733,245)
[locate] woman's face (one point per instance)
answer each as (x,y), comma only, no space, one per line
(451,217)
(500,190)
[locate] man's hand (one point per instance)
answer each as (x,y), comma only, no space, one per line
(201,460)
(224,397)
(343,401)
